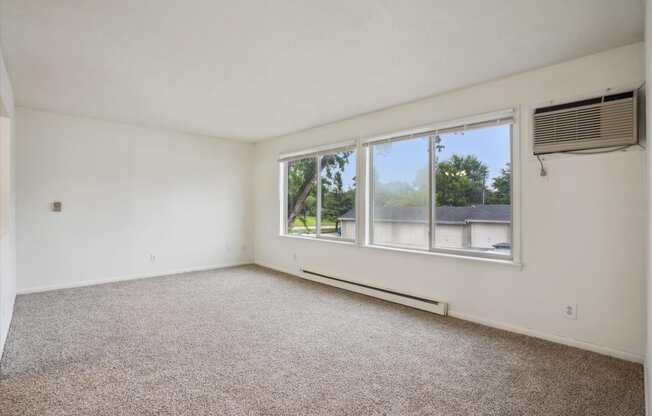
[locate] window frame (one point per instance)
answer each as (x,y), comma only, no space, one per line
(484,120)
(364,189)
(316,154)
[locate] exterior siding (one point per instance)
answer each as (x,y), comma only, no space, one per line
(485,235)
(415,235)
(450,236)
(348,229)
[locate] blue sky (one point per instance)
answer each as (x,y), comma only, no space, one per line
(400,161)
(349,173)
(491,145)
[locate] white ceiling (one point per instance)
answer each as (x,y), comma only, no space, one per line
(254,69)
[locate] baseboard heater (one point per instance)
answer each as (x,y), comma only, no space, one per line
(425,304)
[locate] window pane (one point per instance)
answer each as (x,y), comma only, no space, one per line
(338,184)
(302,196)
(400,193)
(473,190)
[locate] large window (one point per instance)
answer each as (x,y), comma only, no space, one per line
(320,195)
(447,190)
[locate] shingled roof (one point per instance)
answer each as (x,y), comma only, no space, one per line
(443,215)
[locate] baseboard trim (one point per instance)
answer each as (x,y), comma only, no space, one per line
(599,349)
(5,326)
(3,341)
(558,339)
(646,386)
(114,279)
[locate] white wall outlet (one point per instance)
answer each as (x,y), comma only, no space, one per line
(570,311)
(152,258)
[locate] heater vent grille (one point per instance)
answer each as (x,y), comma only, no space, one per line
(417,302)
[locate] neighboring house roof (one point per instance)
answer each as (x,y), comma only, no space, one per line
(443,215)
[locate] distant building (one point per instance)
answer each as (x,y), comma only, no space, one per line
(482,227)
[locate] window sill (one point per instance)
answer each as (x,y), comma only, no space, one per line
(498,261)
(492,260)
(321,239)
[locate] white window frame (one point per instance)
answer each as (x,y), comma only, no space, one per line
(477,121)
(317,154)
(364,185)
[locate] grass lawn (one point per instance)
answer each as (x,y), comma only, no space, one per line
(297,227)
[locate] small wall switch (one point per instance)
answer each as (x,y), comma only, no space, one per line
(570,311)
(56,206)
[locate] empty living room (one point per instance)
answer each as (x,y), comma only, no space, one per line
(368,207)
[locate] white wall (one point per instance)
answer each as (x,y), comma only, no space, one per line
(7,204)
(582,225)
(127,192)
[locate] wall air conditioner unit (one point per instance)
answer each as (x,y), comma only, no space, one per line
(600,122)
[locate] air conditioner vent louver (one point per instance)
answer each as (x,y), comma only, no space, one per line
(589,124)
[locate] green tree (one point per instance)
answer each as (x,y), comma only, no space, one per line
(461,181)
(335,200)
(399,194)
(501,187)
(402,194)
(302,183)
(301,189)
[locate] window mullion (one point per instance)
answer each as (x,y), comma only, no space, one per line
(431,193)
(370,196)
(360,192)
(284,200)
(318,211)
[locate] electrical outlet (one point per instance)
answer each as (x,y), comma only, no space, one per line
(570,311)
(152,258)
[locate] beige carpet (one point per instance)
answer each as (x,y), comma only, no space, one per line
(249,341)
